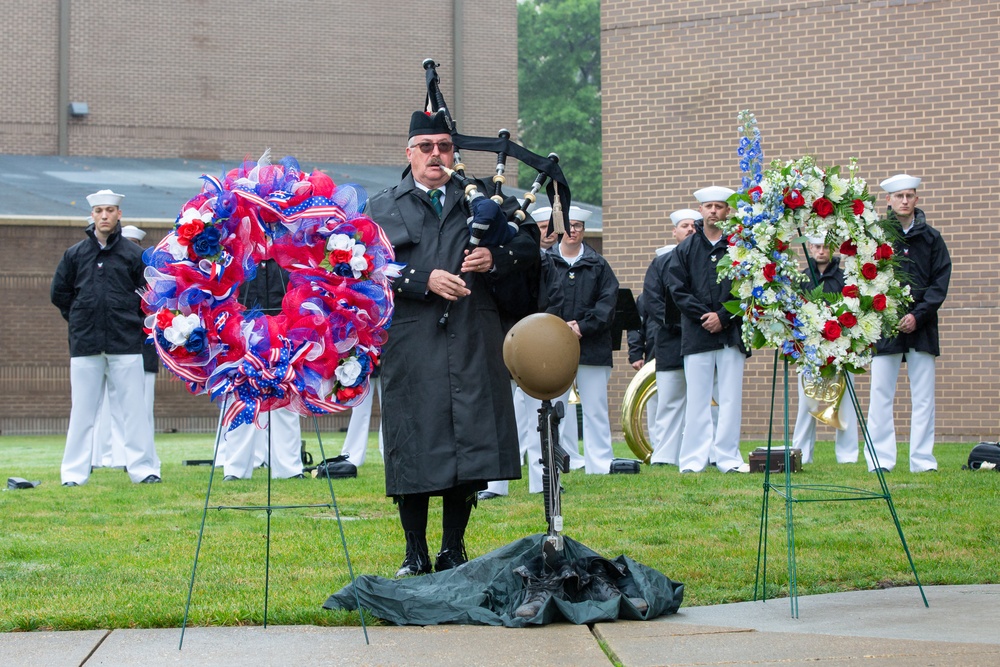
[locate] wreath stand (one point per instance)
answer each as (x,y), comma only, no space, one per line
(268,509)
(801,493)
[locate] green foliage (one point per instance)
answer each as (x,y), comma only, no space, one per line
(559,89)
(112,554)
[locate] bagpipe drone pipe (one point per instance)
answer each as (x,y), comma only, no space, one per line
(497,218)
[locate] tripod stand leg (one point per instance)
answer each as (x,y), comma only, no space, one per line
(204,514)
(340,526)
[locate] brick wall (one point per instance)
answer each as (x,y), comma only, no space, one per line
(904,86)
(217,79)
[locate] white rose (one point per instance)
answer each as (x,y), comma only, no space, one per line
(347,373)
(180,329)
(339,242)
(177,251)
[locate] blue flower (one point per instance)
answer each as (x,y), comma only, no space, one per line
(343,270)
(206,244)
(757,292)
(196,341)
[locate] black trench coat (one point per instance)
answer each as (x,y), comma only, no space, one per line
(448,415)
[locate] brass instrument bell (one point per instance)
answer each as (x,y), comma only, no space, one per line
(828,391)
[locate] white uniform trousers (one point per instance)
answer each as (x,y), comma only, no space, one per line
(671,399)
(109,441)
(286,445)
(592,386)
(882,428)
(529,441)
(804,435)
(125,381)
(698,440)
(356,440)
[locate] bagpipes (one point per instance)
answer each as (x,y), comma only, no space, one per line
(550,176)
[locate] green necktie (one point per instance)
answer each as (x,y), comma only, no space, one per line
(436,201)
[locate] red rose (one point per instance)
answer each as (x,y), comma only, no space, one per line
(780,245)
(878,302)
(823,207)
(736,263)
(848,248)
(756,192)
(164,318)
(847,320)
(189,230)
(869,271)
(850,291)
(829,360)
(340,256)
(793,199)
(884,251)
(790,317)
(858,206)
(831,330)
(769,271)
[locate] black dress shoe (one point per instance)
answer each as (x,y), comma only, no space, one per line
(70,484)
(152,479)
(231,478)
(488,495)
(449,559)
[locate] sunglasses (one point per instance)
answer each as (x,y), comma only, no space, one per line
(428,146)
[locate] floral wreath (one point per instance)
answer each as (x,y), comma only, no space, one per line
(317,355)
(786,204)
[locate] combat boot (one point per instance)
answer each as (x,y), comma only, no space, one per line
(417,560)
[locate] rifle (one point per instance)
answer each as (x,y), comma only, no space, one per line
(554,461)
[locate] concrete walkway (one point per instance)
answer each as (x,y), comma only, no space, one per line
(883,628)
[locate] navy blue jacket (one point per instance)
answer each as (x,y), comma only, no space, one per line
(590,293)
(696,290)
(924,265)
(97,291)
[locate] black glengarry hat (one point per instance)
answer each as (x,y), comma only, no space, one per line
(422,122)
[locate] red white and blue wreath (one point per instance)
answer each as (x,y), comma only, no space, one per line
(784,205)
(317,355)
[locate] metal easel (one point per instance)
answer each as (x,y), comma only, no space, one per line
(268,509)
(802,493)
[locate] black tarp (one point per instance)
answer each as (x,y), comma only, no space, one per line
(487,591)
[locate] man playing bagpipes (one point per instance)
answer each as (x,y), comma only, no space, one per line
(448,417)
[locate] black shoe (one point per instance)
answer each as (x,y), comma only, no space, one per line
(417,560)
(450,558)
(488,495)
(231,478)
(152,479)
(70,484)
(884,470)
(414,564)
(299,476)
(603,585)
(659,463)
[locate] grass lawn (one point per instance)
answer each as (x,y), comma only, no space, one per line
(111,554)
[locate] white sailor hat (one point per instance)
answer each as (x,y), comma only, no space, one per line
(684,214)
(713,193)
(105,198)
(542,214)
(579,214)
(816,240)
(900,182)
(667,248)
(133,232)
